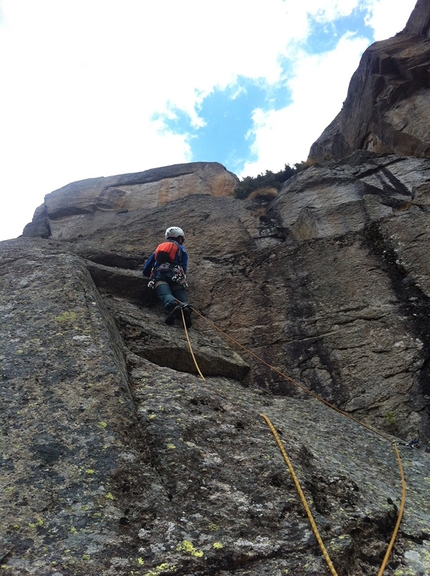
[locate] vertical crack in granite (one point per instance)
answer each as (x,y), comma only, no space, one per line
(413,304)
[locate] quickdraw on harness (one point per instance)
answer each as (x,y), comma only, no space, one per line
(168,258)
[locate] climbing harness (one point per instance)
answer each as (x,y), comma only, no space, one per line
(179,276)
(284,454)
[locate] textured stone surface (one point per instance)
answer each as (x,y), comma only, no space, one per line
(93,205)
(112,464)
(330,278)
(419,21)
(66,414)
(387,108)
(347,196)
(119,459)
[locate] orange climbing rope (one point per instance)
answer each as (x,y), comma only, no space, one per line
(314,527)
(399,516)
(189,345)
(302,496)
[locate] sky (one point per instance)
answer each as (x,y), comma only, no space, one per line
(95,88)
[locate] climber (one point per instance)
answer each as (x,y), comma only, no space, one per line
(167,268)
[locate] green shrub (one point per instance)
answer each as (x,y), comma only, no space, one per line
(268,180)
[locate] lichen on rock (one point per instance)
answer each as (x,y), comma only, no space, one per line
(119,458)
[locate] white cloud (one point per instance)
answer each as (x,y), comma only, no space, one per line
(82,80)
(318,88)
(328,11)
(387,17)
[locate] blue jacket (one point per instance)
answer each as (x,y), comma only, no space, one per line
(181,260)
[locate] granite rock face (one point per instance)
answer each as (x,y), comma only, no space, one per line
(311,307)
(118,458)
(95,204)
(387,108)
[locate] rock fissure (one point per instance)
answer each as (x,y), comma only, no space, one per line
(413,303)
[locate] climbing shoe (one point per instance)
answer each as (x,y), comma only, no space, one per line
(187,316)
(176,313)
(173,314)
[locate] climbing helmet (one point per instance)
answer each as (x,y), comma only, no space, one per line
(174,232)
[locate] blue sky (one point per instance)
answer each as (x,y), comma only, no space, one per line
(101,87)
(225,134)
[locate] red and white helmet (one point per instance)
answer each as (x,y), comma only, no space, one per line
(174,232)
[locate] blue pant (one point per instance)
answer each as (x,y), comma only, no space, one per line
(169,292)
